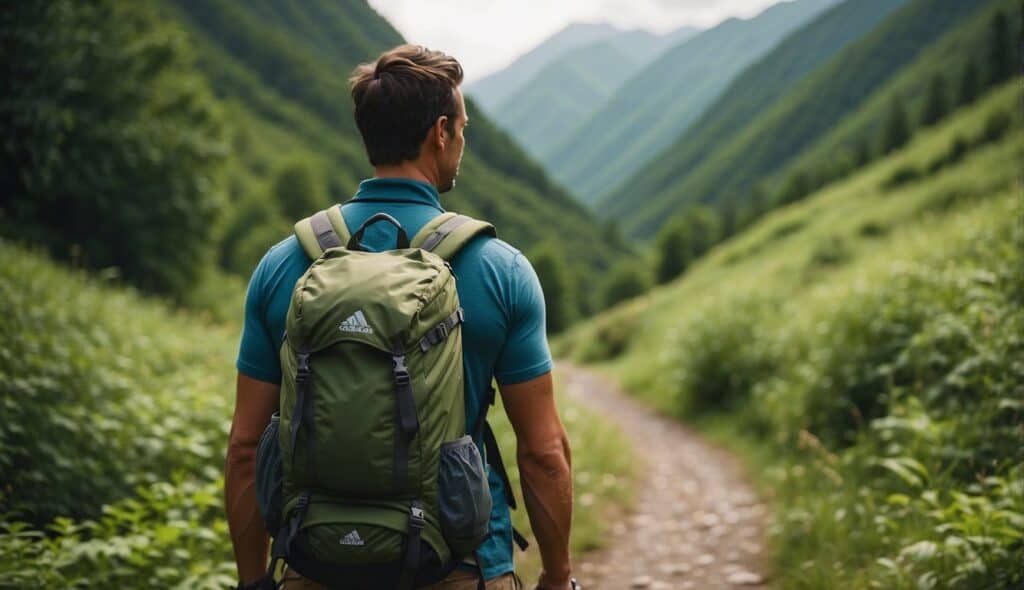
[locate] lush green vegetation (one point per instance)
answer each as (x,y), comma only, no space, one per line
(116,412)
(866,343)
(112,141)
(806,113)
(750,95)
(658,103)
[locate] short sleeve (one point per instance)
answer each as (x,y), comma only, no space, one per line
(257,352)
(525,354)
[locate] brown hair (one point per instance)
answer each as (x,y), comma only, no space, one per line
(400,96)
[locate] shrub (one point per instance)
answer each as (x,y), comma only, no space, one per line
(722,355)
(625,281)
(98,396)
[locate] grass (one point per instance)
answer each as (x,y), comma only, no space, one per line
(116,413)
(862,351)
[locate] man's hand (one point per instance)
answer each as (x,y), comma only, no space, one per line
(545,471)
(255,403)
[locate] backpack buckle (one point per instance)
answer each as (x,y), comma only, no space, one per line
(417,517)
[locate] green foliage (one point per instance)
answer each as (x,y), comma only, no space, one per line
(721,356)
(896,130)
(112,141)
(1001,54)
(684,240)
(625,281)
(970,83)
(100,396)
(935,107)
(296,192)
(555,279)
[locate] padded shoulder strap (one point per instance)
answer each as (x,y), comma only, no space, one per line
(445,234)
(323,230)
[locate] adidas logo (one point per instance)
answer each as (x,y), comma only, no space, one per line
(356,323)
(352,538)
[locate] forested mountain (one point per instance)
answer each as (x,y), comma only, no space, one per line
(950,73)
(572,86)
(282,71)
(812,108)
(490,91)
(654,106)
(749,95)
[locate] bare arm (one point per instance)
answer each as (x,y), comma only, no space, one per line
(545,470)
(255,402)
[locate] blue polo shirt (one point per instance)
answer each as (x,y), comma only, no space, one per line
(503,334)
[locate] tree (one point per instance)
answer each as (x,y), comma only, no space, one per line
(549,264)
(970,84)
(796,187)
(935,106)
(625,281)
(685,239)
(295,191)
(111,143)
(1000,51)
(673,251)
(896,132)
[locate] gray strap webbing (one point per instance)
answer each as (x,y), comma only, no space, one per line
(324,231)
(435,239)
(438,333)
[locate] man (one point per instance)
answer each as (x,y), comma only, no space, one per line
(411,115)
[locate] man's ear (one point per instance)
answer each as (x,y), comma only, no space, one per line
(441,131)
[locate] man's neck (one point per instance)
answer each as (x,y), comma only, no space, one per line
(409,170)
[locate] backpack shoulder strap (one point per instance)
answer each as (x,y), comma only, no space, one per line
(322,230)
(445,234)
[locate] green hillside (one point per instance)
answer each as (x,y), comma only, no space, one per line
(659,102)
(565,91)
(283,73)
(811,109)
(967,46)
(750,95)
(493,89)
(862,349)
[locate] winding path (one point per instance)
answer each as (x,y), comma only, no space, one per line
(696,522)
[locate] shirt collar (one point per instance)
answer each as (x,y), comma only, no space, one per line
(400,190)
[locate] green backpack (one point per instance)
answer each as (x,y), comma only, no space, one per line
(382,488)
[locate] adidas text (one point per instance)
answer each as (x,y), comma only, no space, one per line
(356,323)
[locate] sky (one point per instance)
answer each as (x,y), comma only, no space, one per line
(487,35)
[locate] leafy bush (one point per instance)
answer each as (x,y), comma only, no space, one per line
(112,142)
(625,281)
(99,396)
(722,354)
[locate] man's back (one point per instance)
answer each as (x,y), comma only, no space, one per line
(503,334)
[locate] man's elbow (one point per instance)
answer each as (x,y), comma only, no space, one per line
(550,459)
(241,450)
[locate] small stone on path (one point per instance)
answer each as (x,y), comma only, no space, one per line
(640,582)
(744,578)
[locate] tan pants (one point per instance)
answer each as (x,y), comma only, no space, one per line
(458,580)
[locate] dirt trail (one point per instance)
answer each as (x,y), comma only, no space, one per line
(696,523)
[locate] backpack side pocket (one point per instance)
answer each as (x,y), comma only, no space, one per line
(270,476)
(464,496)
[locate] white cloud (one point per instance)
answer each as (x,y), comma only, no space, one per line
(486,35)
